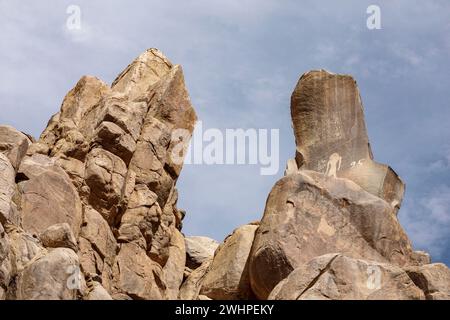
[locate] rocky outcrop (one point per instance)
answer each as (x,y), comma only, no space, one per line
(334,214)
(89,210)
(96,192)
(308,215)
(433,279)
(338,277)
(227,276)
(198,250)
(331,136)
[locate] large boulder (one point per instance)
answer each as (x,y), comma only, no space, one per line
(338,277)
(198,250)
(192,285)
(433,279)
(309,214)
(227,277)
(48,196)
(54,276)
(13,144)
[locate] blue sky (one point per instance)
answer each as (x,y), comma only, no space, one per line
(241,61)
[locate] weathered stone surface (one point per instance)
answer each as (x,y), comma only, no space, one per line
(7,190)
(101,181)
(142,73)
(13,144)
(105,176)
(331,136)
(97,244)
(173,270)
(136,275)
(97,292)
(5,262)
(59,235)
(65,134)
(337,277)
(23,249)
(54,276)
(198,250)
(308,214)
(227,277)
(48,198)
(114,139)
(190,288)
(433,279)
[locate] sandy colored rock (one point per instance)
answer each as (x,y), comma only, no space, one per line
(59,235)
(54,276)
(65,135)
(7,190)
(308,214)
(190,288)
(174,268)
(198,250)
(227,277)
(97,292)
(5,262)
(337,277)
(433,279)
(97,245)
(13,144)
(105,176)
(136,275)
(331,135)
(142,73)
(49,198)
(24,249)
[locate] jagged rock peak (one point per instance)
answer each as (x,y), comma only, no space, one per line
(97,192)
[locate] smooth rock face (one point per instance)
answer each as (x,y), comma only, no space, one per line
(227,277)
(337,277)
(55,276)
(331,135)
(433,279)
(309,214)
(198,250)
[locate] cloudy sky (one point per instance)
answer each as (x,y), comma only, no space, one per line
(242,59)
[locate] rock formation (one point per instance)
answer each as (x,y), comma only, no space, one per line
(330,227)
(89,210)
